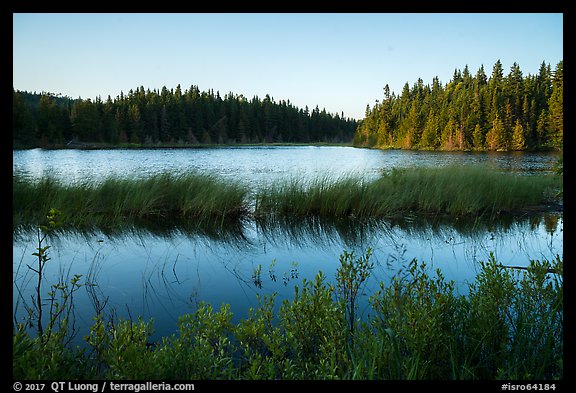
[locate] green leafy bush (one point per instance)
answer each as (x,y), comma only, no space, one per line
(509,326)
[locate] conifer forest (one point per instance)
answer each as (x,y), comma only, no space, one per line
(500,112)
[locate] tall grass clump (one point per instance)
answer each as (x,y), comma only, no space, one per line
(451,190)
(317,197)
(115,200)
(467,189)
(446,191)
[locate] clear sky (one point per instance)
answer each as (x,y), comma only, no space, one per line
(338,61)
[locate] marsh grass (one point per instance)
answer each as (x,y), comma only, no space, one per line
(466,189)
(446,191)
(117,200)
(452,190)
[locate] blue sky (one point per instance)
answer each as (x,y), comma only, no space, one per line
(338,61)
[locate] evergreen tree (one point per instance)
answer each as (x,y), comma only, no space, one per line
(508,122)
(478,137)
(543,128)
(23,123)
(413,132)
(471,112)
(448,135)
(84,119)
(496,137)
(135,126)
(430,135)
(48,121)
(518,137)
(543,87)
(556,106)
(515,87)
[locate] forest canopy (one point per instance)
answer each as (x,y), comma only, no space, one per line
(172,116)
(471,112)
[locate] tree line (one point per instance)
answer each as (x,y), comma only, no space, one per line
(470,112)
(171,117)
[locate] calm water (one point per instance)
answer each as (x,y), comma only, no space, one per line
(254,165)
(162,275)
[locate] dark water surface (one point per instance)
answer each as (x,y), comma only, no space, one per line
(163,274)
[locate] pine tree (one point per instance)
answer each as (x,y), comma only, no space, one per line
(135,124)
(84,118)
(414,130)
(556,106)
(430,135)
(23,124)
(515,87)
(448,135)
(518,137)
(48,121)
(495,138)
(165,126)
(543,128)
(508,122)
(478,137)
(543,87)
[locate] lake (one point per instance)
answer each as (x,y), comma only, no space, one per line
(162,273)
(255,165)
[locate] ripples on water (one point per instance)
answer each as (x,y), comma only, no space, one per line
(255,165)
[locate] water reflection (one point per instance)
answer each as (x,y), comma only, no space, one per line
(360,233)
(162,272)
(230,231)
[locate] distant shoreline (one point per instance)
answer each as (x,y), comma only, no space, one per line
(123,146)
(137,146)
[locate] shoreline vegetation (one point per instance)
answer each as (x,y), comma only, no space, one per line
(184,145)
(508,326)
(456,191)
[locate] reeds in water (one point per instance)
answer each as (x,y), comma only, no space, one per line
(454,190)
(446,191)
(114,200)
